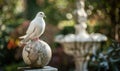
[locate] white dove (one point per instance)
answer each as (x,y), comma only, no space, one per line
(35,29)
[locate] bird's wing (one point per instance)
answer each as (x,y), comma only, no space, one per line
(29,31)
(31,28)
(29,36)
(34,34)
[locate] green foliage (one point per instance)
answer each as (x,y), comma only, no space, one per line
(110,9)
(13,66)
(100,27)
(108,61)
(67,30)
(55,10)
(9,20)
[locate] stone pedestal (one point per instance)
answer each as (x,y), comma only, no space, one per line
(46,68)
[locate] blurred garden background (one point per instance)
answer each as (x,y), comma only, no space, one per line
(15,16)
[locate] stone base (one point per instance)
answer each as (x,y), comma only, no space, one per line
(46,68)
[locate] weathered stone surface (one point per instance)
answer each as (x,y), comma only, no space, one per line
(46,68)
(37,53)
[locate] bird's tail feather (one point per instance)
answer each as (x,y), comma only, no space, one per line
(22,37)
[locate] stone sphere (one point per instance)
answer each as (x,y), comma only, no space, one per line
(37,53)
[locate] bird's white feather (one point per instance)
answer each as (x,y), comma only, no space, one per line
(22,37)
(36,28)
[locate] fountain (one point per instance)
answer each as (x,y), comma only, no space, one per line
(81,44)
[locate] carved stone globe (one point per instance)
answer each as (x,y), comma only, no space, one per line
(37,53)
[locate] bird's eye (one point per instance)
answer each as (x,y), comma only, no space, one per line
(40,13)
